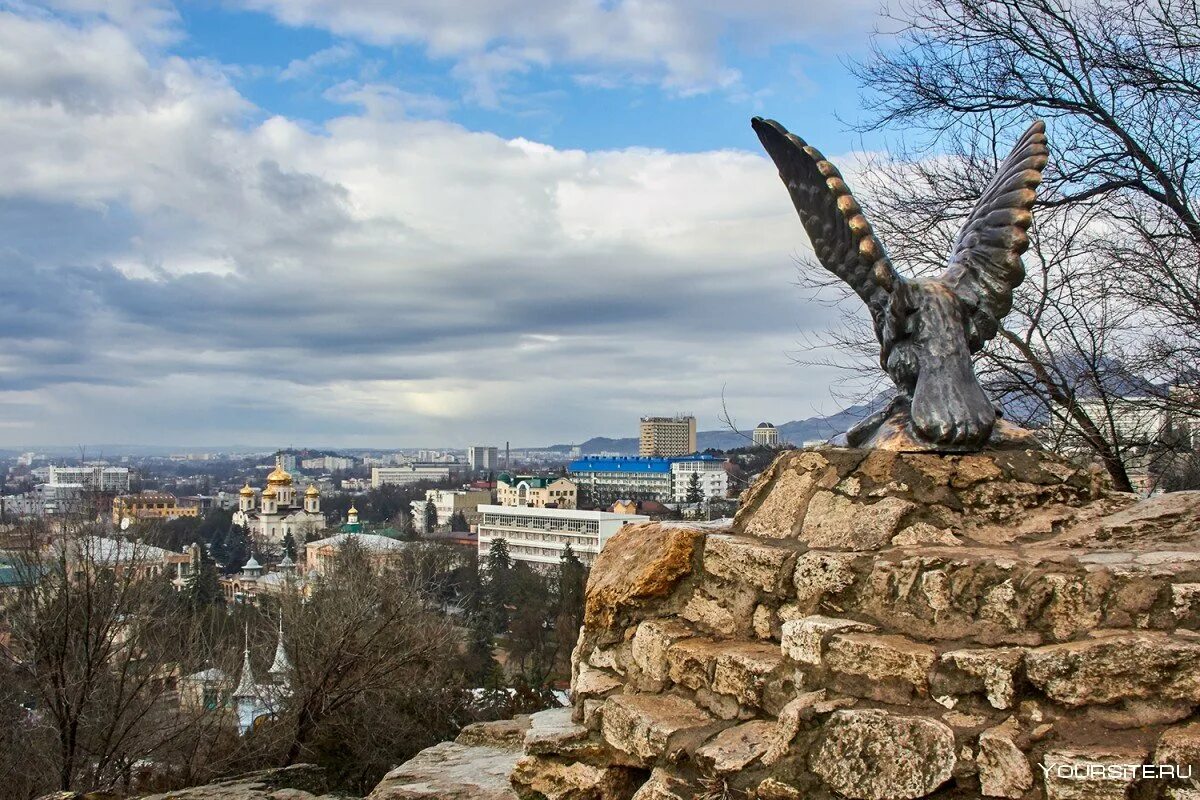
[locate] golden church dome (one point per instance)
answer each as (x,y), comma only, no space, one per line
(246,491)
(279,477)
(270,492)
(312,491)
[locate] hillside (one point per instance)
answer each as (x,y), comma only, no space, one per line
(796,432)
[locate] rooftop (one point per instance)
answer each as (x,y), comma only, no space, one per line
(642,464)
(370,541)
(560,513)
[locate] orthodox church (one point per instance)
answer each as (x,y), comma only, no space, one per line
(279,510)
(253,701)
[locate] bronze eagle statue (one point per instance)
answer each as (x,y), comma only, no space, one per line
(928,328)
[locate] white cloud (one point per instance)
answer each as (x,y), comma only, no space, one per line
(677,43)
(302,68)
(182,269)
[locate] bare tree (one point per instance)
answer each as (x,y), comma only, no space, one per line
(1112,305)
(374,668)
(98,640)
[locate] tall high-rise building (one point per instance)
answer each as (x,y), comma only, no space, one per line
(483,459)
(766,435)
(667,436)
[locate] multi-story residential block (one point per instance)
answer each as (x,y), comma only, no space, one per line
(409,473)
(130,508)
(536,491)
(483,459)
(327,463)
(710,474)
(666,480)
(92,477)
(766,435)
(449,502)
(607,480)
(667,436)
(538,536)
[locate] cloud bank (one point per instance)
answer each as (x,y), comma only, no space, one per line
(179,266)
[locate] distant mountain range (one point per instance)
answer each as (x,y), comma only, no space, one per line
(796,432)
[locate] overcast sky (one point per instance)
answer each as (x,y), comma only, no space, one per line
(408,223)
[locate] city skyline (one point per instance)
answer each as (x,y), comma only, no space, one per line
(286,224)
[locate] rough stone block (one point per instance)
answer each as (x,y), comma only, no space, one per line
(593,683)
(639,565)
(775,505)
(881,658)
(724,610)
(995,671)
(788,723)
(734,749)
(873,755)
(1072,775)
(820,573)
(555,779)
(649,650)
(803,640)
(764,621)
(690,662)
(750,561)
(664,785)
(451,771)
(1003,769)
(1117,667)
(554,732)
(743,669)
(507,734)
(1180,746)
(837,522)
(649,727)
(615,659)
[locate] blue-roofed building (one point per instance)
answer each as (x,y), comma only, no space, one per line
(609,479)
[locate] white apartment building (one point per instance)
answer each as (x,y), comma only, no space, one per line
(327,463)
(538,536)
(483,459)
(449,502)
(408,473)
(92,477)
(714,480)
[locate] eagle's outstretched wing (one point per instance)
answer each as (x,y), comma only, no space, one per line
(841,236)
(985,261)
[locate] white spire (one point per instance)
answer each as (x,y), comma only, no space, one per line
(246,686)
(281,665)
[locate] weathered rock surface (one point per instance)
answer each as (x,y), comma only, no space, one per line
(648,562)
(882,625)
(297,782)
(874,755)
(451,771)
(1004,770)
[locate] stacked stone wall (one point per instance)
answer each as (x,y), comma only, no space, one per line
(879,625)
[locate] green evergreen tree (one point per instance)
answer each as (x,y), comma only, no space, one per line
(431,517)
(458,522)
(237,549)
(499,588)
(203,588)
(695,494)
(289,545)
(572,583)
(480,659)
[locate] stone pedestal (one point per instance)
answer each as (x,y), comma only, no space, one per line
(889,625)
